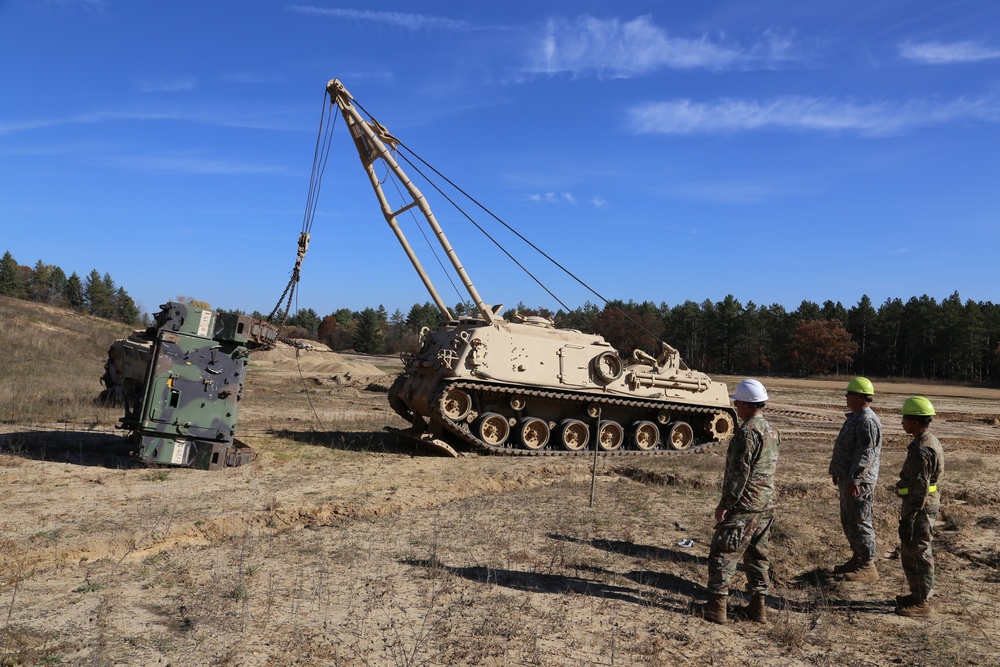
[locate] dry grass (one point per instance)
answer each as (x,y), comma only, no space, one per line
(52,360)
(339,546)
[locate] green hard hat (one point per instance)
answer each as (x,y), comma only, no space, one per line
(860,385)
(918,406)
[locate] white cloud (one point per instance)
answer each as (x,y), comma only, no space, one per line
(553,198)
(399,19)
(936,53)
(878,118)
(167,85)
(610,47)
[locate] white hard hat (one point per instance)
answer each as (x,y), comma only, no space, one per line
(750,391)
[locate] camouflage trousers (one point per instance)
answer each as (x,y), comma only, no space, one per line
(916,533)
(857,518)
(739,535)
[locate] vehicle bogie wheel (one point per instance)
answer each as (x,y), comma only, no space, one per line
(610,435)
(680,435)
(574,434)
(645,435)
(492,428)
(534,433)
(456,404)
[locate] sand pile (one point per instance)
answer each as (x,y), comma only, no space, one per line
(318,359)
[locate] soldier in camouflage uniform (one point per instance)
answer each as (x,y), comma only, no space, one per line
(918,489)
(854,469)
(746,511)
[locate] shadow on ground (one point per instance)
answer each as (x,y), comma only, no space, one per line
(84,448)
(357,441)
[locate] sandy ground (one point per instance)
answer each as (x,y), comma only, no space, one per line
(340,546)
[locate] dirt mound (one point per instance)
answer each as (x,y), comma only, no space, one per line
(315,359)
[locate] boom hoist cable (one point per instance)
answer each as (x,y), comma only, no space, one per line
(401,147)
(321,155)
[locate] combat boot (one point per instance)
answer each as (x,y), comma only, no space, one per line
(866,574)
(715,609)
(904,600)
(852,564)
(757,611)
(914,609)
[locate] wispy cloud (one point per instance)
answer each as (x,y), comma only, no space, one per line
(807,114)
(553,198)
(279,119)
(87,5)
(250,77)
(167,85)
(736,192)
(398,19)
(565,198)
(80,119)
(614,48)
(190,163)
(936,53)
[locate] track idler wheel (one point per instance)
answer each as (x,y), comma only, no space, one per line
(680,435)
(645,435)
(610,435)
(492,428)
(574,434)
(533,432)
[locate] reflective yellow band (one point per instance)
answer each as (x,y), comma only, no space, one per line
(905,491)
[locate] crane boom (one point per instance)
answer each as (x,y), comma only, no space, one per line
(373,142)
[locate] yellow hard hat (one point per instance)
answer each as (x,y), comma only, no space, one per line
(918,406)
(860,385)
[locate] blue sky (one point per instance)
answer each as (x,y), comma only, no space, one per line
(778,151)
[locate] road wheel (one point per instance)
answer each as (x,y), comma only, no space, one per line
(610,435)
(492,428)
(456,404)
(680,435)
(534,432)
(574,434)
(645,435)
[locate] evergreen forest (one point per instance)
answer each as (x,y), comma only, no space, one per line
(921,337)
(95,294)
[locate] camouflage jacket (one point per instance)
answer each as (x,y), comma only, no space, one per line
(858,448)
(921,470)
(750,462)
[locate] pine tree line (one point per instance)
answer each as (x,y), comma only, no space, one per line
(919,338)
(47,283)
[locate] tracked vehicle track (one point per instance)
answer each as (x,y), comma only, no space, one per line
(699,427)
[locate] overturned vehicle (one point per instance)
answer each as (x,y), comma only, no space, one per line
(181,381)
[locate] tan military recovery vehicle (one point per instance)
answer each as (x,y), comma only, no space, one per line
(520,385)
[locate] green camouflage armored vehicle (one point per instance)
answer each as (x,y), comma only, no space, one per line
(181,381)
(520,385)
